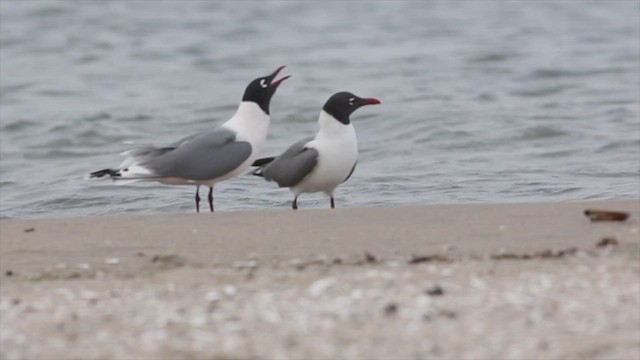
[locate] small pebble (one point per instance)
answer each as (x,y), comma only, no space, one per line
(112,261)
(299,264)
(417,259)
(448,314)
(212,295)
(447,247)
(435,291)
(230,290)
(607,241)
(391,309)
(320,286)
(369,258)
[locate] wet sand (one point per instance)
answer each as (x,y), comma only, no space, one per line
(515,281)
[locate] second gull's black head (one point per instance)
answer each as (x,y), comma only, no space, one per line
(341,105)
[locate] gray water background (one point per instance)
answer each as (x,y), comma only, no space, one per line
(482,101)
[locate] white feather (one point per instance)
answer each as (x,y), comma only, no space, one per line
(337,147)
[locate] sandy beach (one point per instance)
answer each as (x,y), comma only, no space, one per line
(476,281)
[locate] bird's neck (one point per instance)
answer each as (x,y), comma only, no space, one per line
(330,128)
(250,123)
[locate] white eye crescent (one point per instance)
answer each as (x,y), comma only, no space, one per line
(263,83)
(351,100)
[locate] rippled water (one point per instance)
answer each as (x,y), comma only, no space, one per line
(482,101)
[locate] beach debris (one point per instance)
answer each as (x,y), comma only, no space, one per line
(251,264)
(605,215)
(607,241)
(57,274)
(8,273)
(435,291)
(447,247)
(545,254)
(83,266)
(89,295)
(449,314)
(112,261)
(320,286)
(31,229)
(229,290)
(250,274)
(298,263)
(168,260)
(140,253)
(390,309)
(301,264)
(442,313)
(369,258)
(212,295)
(417,259)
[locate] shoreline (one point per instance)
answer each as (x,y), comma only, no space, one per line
(223,238)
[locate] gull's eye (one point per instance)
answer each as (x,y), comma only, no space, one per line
(351,101)
(263,83)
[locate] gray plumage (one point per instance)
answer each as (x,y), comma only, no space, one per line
(292,166)
(206,158)
(201,157)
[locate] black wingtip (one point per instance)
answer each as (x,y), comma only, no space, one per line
(103,173)
(263,161)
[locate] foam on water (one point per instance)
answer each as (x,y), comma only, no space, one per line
(481,101)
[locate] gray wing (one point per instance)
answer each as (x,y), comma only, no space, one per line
(293,165)
(175,144)
(203,157)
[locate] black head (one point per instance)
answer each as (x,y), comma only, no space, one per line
(341,105)
(262,89)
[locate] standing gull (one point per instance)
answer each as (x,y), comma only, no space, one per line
(210,156)
(324,162)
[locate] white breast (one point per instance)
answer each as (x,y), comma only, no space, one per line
(250,124)
(337,146)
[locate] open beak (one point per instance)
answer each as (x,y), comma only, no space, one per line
(276,83)
(369,101)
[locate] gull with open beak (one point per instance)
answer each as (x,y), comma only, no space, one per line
(209,157)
